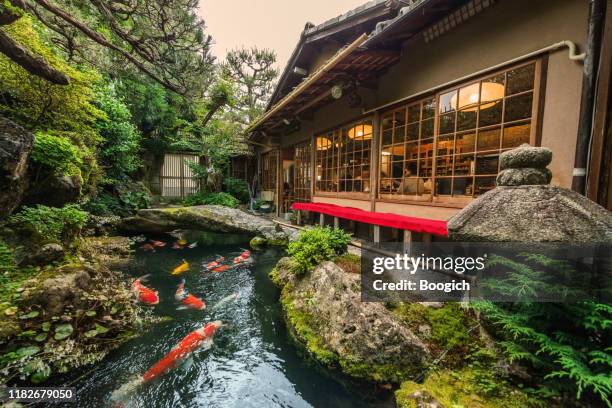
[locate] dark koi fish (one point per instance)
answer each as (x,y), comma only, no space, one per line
(148,247)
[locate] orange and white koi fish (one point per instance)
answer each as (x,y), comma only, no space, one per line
(188,345)
(200,338)
(214,264)
(143,293)
(184,267)
(245,256)
(158,244)
(148,247)
(221,268)
(187,299)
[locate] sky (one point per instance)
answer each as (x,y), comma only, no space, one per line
(273,24)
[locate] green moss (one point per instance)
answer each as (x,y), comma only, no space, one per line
(350,263)
(463,389)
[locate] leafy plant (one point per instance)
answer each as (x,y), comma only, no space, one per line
(316,245)
(47,224)
(568,344)
(223,199)
(238,188)
(57,153)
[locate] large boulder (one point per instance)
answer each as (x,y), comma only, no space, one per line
(15,147)
(325,314)
(44,255)
(213,218)
(53,191)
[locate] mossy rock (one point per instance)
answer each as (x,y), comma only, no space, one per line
(463,388)
(257,242)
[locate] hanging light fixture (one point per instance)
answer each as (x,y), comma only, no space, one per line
(491,92)
(362,131)
(323,143)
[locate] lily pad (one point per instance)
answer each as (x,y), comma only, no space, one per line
(101,329)
(63,331)
(90,313)
(31,315)
(46,326)
(27,351)
(10,311)
(41,337)
(91,333)
(27,333)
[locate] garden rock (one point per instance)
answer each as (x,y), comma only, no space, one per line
(54,294)
(213,218)
(56,191)
(521,177)
(525,156)
(45,255)
(15,147)
(366,338)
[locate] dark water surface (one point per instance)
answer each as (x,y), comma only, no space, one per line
(251,364)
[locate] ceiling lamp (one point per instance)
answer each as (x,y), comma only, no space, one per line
(323,143)
(336,92)
(362,131)
(491,92)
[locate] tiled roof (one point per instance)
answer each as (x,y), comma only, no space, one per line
(342,17)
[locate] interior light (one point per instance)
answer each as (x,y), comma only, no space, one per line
(362,130)
(323,143)
(491,92)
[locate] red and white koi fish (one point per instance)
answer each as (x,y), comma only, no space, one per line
(148,247)
(158,244)
(199,338)
(143,293)
(221,268)
(214,264)
(245,256)
(187,299)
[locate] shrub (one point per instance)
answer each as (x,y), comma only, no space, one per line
(7,259)
(238,188)
(568,344)
(316,245)
(56,153)
(223,199)
(47,224)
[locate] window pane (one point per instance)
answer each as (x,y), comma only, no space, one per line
(516,135)
(410,168)
(445,145)
(464,164)
(398,137)
(490,113)
(520,79)
(387,122)
(492,89)
(387,138)
(444,166)
(468,96)
(413,131)
(397,169)
(425,168)
(462,186)
(447,123)
(465,142)
(411,151)
(484,184)
(414,113)
(487,164)
(448,102)
(488,139)
(466,119)
(443,186)
(518,107)
(429,108)
(400,118)
(427,128)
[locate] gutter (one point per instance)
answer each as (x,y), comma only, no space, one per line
(572,55)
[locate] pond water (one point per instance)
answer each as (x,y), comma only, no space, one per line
(252,362)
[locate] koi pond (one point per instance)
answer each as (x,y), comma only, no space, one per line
(252,362)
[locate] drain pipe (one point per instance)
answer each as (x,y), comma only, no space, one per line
(572,55)
(587,100)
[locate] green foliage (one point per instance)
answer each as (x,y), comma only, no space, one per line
(124,201)
(120,148)
(47,224)
(316,245)
(223,199)
(57,153)
(238,188)
(7,260)
(568,344)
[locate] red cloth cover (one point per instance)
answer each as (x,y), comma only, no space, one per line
(436,227)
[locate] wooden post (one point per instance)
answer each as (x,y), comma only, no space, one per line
(322,219)
(377,234)
(299,217)
(408,242)
(336,222)
(375,161)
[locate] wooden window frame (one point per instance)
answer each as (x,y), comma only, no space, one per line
(460,201)
(269,177)
(352,195)
(303,171)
